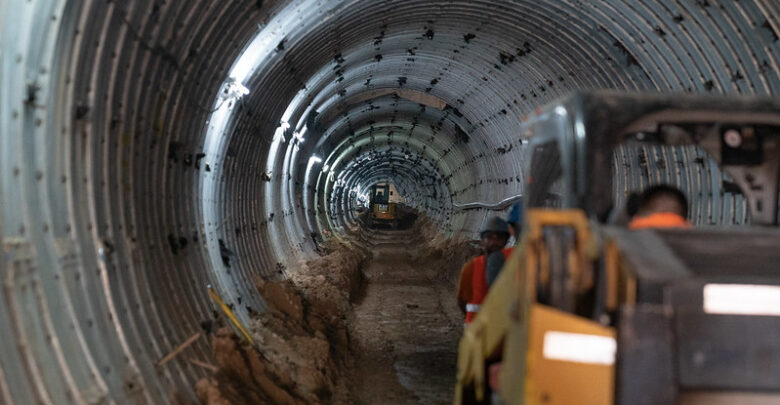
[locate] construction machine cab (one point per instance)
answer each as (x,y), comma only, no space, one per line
(595,314)
(381,210)
(380,194)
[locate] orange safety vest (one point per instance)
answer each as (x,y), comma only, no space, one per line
(479,285)
(660,220)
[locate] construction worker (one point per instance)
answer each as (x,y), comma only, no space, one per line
(473,286)
(661,206)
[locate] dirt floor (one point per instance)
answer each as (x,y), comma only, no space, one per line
(371,321)
(406,326)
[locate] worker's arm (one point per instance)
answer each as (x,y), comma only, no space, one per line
(464,285)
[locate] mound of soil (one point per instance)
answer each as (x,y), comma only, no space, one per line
(301,350)
(302,341)
(445,254)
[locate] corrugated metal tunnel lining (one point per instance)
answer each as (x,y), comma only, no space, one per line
(134,173)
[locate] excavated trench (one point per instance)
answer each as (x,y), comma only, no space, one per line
(372,321)
(407,326)
(154,151)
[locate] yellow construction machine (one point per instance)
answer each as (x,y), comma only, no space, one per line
(381,210)
(589,313)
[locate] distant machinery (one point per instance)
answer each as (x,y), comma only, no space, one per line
(382,207)
(151,148)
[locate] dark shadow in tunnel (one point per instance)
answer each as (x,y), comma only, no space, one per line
(405,217)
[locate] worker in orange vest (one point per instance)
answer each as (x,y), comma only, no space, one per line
(473,286)
(661,206)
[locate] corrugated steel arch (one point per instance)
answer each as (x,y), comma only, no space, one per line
(112,220)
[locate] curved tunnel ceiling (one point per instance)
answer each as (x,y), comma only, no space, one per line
(136,170)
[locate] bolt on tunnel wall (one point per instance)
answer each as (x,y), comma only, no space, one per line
(149,149)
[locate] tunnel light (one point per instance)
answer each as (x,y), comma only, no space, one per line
(239,89)
(234,90)
(325,168)
(742,299)
(560,110)
(579,348)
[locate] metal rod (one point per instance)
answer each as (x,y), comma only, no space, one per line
(501,205)
(179,349)
(207,366)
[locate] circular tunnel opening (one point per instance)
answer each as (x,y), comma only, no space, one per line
(152,149)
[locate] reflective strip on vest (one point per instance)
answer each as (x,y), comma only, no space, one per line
(472,307)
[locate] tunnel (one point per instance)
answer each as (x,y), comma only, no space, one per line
(151,149)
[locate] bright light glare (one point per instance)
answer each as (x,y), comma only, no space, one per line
(258,49)
(579,129)
(299,134)
(279,133)
(579,348)
(236,89)
(312,161)
(742,299)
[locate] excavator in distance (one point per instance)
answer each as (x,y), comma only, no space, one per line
(381,211)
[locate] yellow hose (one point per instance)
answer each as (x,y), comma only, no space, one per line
(231,316)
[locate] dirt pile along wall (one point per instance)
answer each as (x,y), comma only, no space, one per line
(445,254)
(302,340)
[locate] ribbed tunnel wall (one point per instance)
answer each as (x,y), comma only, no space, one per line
(133,174)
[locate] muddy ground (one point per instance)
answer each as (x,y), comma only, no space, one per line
(406,327)
(373,321)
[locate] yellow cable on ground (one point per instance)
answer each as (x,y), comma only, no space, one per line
(231,316)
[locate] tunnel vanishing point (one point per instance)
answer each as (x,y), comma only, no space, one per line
(150,148)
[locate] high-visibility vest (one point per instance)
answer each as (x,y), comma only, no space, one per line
(479,285)
(659,220)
